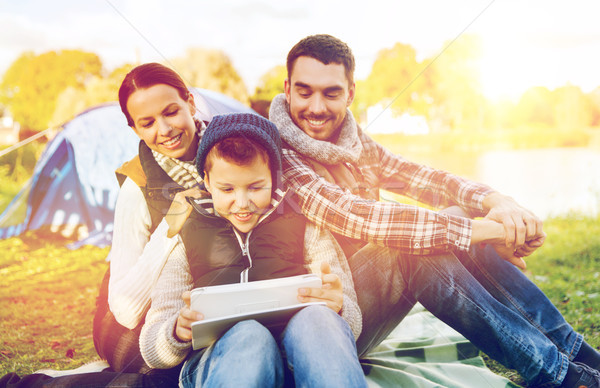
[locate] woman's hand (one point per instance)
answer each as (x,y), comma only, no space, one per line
(331,293)
(183,328)
(180,209)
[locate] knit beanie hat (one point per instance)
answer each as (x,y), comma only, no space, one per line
(248,125)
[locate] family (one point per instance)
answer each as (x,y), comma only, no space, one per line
(243,197)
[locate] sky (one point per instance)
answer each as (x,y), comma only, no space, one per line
(525,43)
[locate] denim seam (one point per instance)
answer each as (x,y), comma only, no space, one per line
(562,372)
(576,346)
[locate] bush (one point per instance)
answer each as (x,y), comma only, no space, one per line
(17,166)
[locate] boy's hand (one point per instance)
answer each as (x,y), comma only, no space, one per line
(183,328)
(180,209)
(331,293)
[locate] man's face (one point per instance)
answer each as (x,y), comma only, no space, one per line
(318,96)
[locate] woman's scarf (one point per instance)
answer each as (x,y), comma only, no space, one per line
(182,172)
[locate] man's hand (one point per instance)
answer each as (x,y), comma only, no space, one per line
(520,225)
(180,209)
(331,293)
(183,327)
(516,257)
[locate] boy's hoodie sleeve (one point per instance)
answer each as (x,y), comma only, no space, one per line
(320,245)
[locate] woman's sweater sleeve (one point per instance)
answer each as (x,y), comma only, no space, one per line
(319,246)
(136,256)
(158,345)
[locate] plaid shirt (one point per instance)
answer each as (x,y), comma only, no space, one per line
(412,229)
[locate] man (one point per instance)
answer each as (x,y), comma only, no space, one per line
(400,254)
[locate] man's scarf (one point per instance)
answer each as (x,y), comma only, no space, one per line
(347,149)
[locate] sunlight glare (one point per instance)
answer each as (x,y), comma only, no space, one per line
(503,70)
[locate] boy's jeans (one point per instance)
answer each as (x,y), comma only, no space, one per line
(485,298)
(318,344)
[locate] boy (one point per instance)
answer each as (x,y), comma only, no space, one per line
(242,232)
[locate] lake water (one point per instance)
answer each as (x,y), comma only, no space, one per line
(549,182)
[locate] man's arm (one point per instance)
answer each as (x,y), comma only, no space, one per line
(427,185)
(523,232)
(411,229)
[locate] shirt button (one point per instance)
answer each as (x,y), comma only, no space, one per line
(417,245)
(457,242)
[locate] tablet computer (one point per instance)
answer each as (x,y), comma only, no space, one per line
(271,302)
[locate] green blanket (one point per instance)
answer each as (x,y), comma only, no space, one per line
(425,352)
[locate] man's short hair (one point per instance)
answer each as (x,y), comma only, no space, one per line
(324,48)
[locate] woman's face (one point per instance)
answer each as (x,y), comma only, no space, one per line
(164,121)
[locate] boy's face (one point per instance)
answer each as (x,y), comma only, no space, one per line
(241,194)
(318,95)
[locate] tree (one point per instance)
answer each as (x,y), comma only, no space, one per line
(269,85)
(395,79)
(210,69)
(73,100)
(572,109)
(31,85)
(536,107)
(453,79)
(594,101)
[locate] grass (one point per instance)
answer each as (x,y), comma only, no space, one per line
(47,300)
(48,292)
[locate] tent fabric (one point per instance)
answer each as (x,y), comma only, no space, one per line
(73,189)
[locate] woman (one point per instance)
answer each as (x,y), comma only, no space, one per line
(160,110)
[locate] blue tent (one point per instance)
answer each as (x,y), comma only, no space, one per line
(73,189)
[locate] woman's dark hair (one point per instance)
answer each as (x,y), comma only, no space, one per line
(145,76)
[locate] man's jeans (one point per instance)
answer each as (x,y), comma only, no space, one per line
(485,298)
(317,343)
